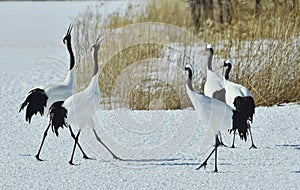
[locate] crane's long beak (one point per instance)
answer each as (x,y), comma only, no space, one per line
(99,40)
(69,29)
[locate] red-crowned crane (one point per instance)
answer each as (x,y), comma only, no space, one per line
(224,116)
(239,98)
(39,99)
(80,108)
(214,86)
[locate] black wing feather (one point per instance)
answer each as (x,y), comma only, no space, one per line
(240,123)
(36,102)
(245,105)
(245,109)
(58,115)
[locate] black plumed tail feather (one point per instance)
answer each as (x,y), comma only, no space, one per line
(58,114)
(36,102)
(240,123)
(245,105)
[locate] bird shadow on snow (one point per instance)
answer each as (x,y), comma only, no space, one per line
(294,146)
(165,162)
(25,155)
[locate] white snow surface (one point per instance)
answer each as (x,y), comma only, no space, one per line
(30,55)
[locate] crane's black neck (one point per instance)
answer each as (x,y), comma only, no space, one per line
(72,59)
(189,79)
(96,62)
(210,57)
(228,65)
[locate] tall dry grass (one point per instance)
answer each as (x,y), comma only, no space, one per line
(265,51)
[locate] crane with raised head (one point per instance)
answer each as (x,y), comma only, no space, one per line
(80,108)
(40,99)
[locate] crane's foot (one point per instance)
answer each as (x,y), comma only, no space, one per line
(253,146)
(88,158)
(38,158)
(72,164)
(117,158)
(216,170)
(202,165)
(222,144)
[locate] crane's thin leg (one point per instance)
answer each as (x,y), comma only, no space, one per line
(44,137)
(221,141)
(252,146)
(217,141)
(215,149)
(232,146)
(76,141)
(99,140)
(205,161)
(73,136)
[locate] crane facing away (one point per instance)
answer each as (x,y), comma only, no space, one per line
(240,98)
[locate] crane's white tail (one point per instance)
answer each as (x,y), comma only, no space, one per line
(240,123)
(58,114)
(245,105)
(36,102)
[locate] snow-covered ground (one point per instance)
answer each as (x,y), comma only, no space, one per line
(31,52)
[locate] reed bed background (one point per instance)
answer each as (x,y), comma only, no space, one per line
(264,47)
